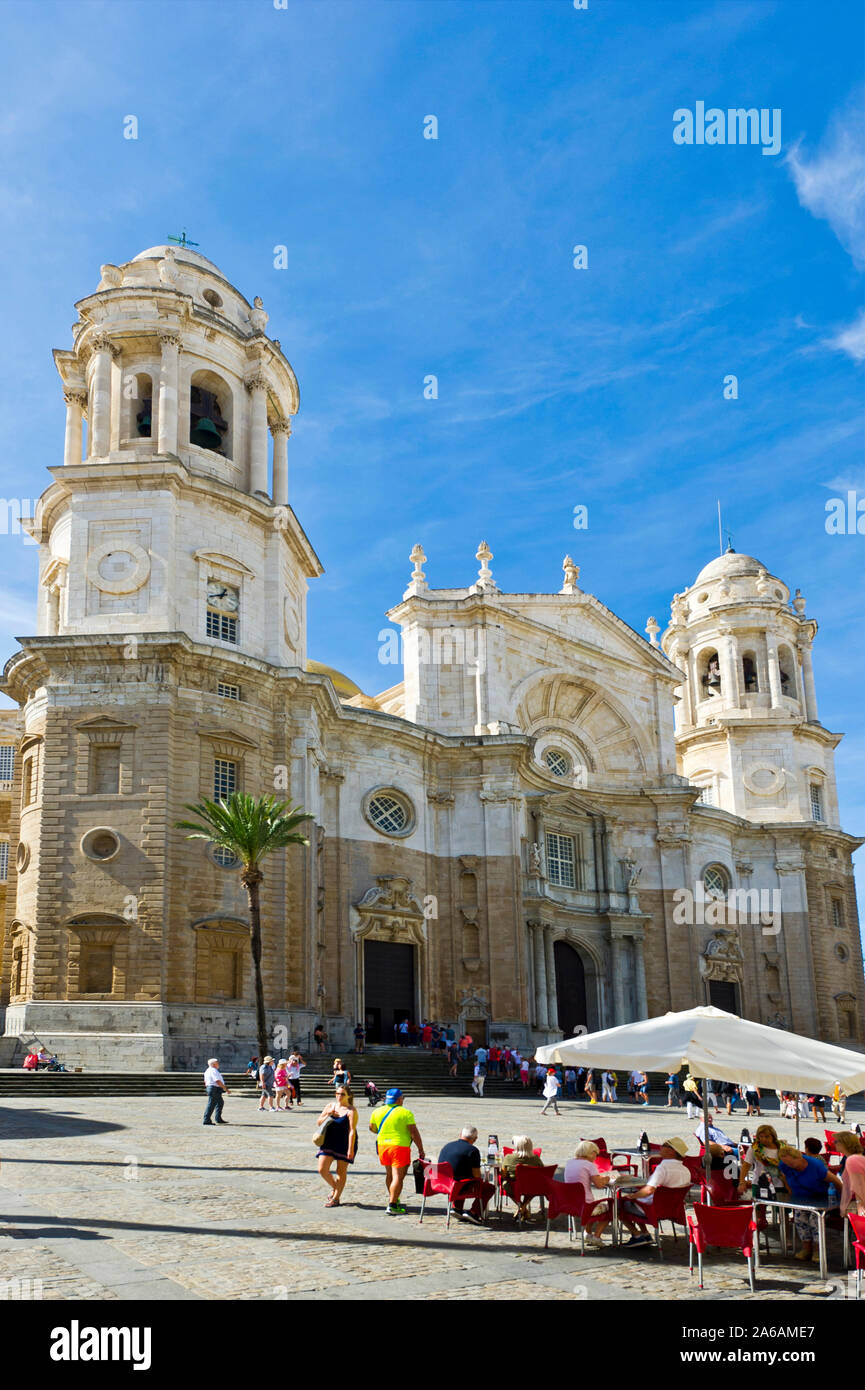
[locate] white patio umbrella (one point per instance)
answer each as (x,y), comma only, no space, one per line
(712,1043)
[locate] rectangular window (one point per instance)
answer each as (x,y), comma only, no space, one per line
(707,796)
(96,975)
(4,860)
(27,782)
(816,802)
(225,974)
(561,860)
(221,626)
(224,779)
(7,761)
(837,913)
(104,768)
(228,692)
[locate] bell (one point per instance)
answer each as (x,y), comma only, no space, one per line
(205,434)
(142,420)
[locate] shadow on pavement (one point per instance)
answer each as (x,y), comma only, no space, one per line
(48,1124)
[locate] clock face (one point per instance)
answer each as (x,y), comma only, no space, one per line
(222,597)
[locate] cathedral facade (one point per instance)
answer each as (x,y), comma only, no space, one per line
(550,823)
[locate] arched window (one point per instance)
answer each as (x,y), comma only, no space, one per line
(710,677)
(787,670)
(716,880)
(210,412)
(749,674)
(138,400)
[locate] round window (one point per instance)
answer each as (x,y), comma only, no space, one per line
(389,811)
(212,298)
(225,858)
(22,857)
(558,762)
(100,844)
(841,952)
(715,881)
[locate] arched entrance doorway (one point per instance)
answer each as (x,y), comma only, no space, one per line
(570,989)
(390,939)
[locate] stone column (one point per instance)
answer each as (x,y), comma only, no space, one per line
(169,387)
(257,461)
(808,683)
(640,978)
(100,395)
(618,981)
(774,670)
(683,660)
(76,404)
(541,1015)
(550,962)
(280,430)
(730,677)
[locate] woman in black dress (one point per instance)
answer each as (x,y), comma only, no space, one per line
(340,1142)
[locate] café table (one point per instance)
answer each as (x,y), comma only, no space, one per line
(638,1153)
(794,1204)
(622,1183)
(491,1172)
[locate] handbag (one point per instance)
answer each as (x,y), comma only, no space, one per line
(321,1133)
(418,1169)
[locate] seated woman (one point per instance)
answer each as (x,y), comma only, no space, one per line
(852,1173)
(808,1180)
(583,1169)
(523,1156)
(763,1156)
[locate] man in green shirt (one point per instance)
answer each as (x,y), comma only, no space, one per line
(395,1131)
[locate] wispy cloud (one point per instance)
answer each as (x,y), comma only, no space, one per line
(831,185)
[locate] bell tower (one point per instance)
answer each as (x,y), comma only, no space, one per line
(170,639)
(747,729)
(171,511)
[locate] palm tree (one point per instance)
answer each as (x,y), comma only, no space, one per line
(250,828)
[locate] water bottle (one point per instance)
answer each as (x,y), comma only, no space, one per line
(643,1145)
(745,1137)
(764,1186)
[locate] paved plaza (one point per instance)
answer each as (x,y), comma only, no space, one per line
(118,1199)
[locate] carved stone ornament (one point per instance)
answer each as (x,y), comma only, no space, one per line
(722,958)
(391,911)
(473,999)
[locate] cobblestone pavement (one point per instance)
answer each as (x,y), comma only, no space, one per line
(121,1199)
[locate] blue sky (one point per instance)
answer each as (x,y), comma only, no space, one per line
(408,257)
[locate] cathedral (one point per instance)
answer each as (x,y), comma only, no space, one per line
(549,823)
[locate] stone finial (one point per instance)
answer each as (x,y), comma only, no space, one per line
(111,277)
(485,575)
(417,584)
(418,558)
(799,603)
(572,575)
(653,628)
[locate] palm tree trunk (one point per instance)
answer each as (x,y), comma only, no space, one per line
(252,889)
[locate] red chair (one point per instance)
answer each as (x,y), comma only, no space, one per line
(730,1228)
(858,1224)
(605,1161)
(529,1181)
(829,1140)
(695,1166)
(439,1177)
(505,1150)
(668,1204)
(723,1191)
(569,1199)
(833,1161)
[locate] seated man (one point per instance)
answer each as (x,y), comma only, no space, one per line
(670,1172)
(465,1161)
(719,1142)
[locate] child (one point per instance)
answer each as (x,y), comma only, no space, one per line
(280,1083)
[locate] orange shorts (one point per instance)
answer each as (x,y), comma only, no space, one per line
(394,1156)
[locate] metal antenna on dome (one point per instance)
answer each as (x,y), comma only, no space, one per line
(720,532)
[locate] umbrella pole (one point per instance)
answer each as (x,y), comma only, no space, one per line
(707,1156)
(798,1146)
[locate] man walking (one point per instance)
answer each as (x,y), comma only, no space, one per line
(395,1130)
(216,1092)
(552,1086)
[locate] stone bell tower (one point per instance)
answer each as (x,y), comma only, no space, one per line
(747,730)
(171,620)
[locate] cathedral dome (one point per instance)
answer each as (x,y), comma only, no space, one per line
(342,684)
(728,566)
(180,253)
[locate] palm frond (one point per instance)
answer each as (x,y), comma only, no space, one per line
(250,827)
